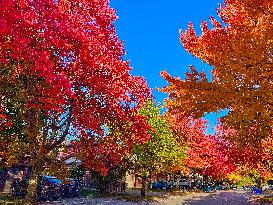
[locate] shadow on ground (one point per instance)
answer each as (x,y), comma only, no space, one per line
(233,197)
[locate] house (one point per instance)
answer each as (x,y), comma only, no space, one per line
(8,175)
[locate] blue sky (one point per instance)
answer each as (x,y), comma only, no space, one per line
(150,30)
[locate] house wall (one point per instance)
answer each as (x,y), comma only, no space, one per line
(132,181)
(8,175)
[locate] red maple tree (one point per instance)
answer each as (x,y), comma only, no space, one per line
(66,59)
(209,155)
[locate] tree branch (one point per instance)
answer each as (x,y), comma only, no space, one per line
(64,134)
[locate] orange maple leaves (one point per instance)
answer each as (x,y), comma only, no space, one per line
(239,47)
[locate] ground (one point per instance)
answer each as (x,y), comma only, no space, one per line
(233,197)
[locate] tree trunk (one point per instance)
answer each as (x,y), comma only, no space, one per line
(260,182)
(143,186)
(32,188)
(36,172)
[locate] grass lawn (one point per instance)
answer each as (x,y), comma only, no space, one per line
(5,199)
(264,200)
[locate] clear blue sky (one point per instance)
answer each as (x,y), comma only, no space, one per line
(150,30)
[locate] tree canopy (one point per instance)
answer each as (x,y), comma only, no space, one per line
(163,153)
(239,49)
(62,71)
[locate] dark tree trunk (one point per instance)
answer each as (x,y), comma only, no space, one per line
(32,187)
(143,187)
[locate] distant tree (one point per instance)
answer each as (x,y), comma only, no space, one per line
(162,153)
(244,176)
(209,155)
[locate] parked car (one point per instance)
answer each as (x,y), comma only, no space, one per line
(209,188)
(49,188)
(174,184)
(233,186)
(166,185)
(256,190)
(161,185)
(72,187)
(19,188)
(184,184)
(224,187)
(247,188)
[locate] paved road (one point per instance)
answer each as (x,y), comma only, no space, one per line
(234,197)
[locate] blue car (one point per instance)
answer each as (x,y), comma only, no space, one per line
(49,188)
(161,185)
(256,190)
(71,188)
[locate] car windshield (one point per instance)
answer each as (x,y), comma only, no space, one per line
(54,180)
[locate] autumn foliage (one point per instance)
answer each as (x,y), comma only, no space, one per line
(63,78)
(209,155)
(63,59)
(239,49)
